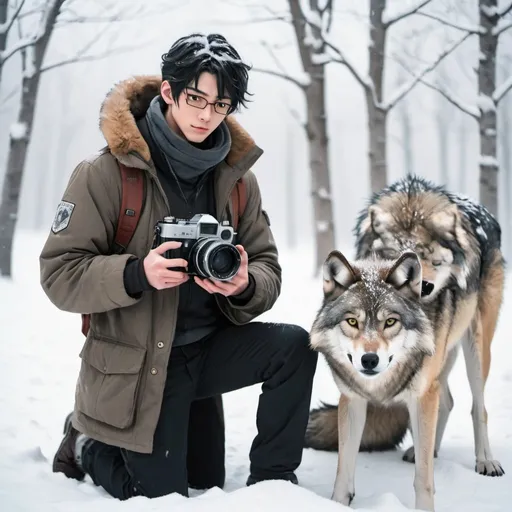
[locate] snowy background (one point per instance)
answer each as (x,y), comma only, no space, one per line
(38,368)
(39,345)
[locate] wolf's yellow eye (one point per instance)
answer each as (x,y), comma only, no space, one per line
(390,322)
(352,322)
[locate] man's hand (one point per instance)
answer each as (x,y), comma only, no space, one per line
(157,267)
(235,286)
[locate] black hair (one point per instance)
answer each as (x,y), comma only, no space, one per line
(192,55)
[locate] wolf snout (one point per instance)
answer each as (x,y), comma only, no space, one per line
(370,361)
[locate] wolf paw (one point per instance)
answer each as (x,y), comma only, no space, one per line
(489,468)
(408,455)
(345,498)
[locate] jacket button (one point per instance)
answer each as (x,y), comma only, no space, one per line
(154,371)
(160,344)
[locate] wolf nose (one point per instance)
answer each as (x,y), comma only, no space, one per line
(370,361)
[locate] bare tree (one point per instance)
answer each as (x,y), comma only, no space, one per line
(36,46)
(49,14)
(381,20)
(492,24)
(312,84)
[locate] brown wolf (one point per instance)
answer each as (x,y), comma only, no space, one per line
(462,267)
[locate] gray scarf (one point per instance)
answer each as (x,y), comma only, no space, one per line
(188,162)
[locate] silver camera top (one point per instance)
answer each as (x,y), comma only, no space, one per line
(200,225)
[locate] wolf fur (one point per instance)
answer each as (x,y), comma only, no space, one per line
(458,243)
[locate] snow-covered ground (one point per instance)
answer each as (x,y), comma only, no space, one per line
(39,348)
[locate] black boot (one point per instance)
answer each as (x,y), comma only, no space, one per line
(288,477)
(65,458)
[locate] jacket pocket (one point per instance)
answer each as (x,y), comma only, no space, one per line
(109,380)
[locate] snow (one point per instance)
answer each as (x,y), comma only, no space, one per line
(501,90)
(321,58)
(405,10)
(488,161)
(214,49)
(39,348)
(489,10)
(485,103)
(18,131)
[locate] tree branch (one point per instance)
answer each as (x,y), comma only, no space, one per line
(18,46)
(466,28)
(88,58)
(388,20)
(6,98)
(300,84)
(505,9)
(500,92)
(404,90)
(501,27)
(7,25)
(342,59)
(474,112)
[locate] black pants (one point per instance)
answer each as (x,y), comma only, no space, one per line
(234,357)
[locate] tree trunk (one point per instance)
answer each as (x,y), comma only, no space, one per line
(377,131)
(18,148)
(505,159)
(291,221)
(463,152)
(377,117)
(319,162)
(3,35)
(443,134)
(20,139)
(487,123)
(407,141)
(316,129)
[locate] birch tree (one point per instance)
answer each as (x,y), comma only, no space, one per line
(35,46)
(382,20)
(488,93)
(312,84)
(45,17)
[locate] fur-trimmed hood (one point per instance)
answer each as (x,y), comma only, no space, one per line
(129,100)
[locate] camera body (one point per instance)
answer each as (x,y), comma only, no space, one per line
(206,244)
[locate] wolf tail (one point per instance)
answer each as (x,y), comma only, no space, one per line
(385,428)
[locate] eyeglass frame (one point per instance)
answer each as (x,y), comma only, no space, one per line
(214,103)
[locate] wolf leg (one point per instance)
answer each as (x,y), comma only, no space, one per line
(423,413)
(351,420)
(477,356)
(445,399)
(445,405)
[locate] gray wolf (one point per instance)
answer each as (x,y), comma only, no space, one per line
(458,244)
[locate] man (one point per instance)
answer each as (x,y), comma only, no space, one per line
(158,339)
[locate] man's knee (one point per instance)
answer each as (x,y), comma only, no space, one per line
(294,340)
(158,486)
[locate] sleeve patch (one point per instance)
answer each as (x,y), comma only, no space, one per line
(62,216)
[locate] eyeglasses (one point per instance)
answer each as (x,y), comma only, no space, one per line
(221,107)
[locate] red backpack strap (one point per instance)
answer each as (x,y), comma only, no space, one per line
(131,206)
(238,201)
(129,215)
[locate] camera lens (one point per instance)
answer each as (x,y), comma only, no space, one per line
(215,259)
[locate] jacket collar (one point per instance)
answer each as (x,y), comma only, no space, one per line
(129,100)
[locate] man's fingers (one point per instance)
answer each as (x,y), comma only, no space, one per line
(174,263)
(172,275)
(166,246)
(243,254)
(222,285)
(202,284)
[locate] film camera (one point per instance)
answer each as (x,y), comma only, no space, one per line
(206,245)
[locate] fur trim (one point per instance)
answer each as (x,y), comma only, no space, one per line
(129,100)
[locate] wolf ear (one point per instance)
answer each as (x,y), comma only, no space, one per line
(405,275)
(338,275)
